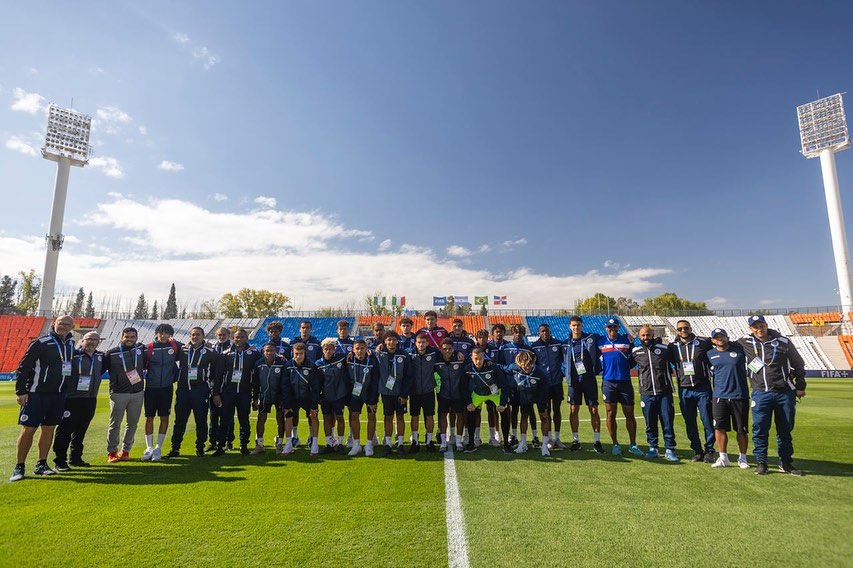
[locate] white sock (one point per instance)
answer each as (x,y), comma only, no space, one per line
(329,440)
(492,433)
(277,440)
(443,439)
(160,438)
(524,438)
(576,437)
(399,440)
(545,440)
(724,456)
(387,440)
(741,457)
(259,441)
(429,437)
(415,436)
(596,436)
(149,440)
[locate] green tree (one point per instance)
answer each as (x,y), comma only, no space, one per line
(28,293)
(141,311)
(77,306)
(598,302)
(253,303)
(155,311)
(7,293)
(89,312)
(669,302)
(171,309)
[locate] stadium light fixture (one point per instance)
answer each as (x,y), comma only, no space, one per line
(823,132)
(67,144)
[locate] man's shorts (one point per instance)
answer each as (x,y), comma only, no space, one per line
(306,404)
(445,405)
(391,405)
(528,408)
(555,393)
(425,402)
(357,404)
(586,389)
(478,399)
(42,409)
(266,407)
(158,401)
(618,391)
(335,407)
(727,411)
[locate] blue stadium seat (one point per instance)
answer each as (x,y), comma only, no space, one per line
(321,328)
(560,325)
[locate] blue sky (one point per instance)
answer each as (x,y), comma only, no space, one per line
(539,150)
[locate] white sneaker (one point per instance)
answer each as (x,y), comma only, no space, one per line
(278,446)
(146,455)
(315,450)
(559,444)
(368,449)
(288,449)
(742,463)
(443,447)
(494,442)
(157,454)
(356,449)
(349,441)
(459,446)
(521,448)
(545,450)
(721,462)
(478,442)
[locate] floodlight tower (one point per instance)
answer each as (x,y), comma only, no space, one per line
(67,144)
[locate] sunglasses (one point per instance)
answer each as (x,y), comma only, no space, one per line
(683,328)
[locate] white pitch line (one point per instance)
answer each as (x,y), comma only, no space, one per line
(457,544)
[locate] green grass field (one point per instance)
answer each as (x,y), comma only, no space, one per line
(571,509)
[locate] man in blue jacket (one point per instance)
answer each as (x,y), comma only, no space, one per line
(300,389)
(164,355)
(727,363)
(394,385)
(422,393)
(40,386)
(581,356)
(616,386)
(549,358)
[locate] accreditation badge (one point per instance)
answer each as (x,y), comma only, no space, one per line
(236,376)
(356,389)
(580,368)
(493,389)
(192,374)
(389,384)
(84,383)
(133,377)
(66,369)
(756,364)
(687,366)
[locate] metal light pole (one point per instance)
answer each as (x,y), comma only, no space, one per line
(67,144)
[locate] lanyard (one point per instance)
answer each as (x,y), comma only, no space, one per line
(482,380)
(92,362)
(121,356)
(61,348)
(238,360)
(687,351)
(190,354)
(580,351)
(613,345)
(364,373)
(755,348)
(525,379)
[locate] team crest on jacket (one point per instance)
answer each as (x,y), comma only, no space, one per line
(66,414)
(305,372)
(399,359)
(340,364)
(554,349)
(277,370)
(657,351)
(695,342)
(429,357)
(171,351)
(533,381)
(775,344)
(456,366)
(733,355)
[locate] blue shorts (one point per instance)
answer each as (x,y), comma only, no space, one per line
(391,405)
(445,405)
(157,401)
(618,392)
(586,389)
(42,409)
(556,394)
(425,402)
(307,405)
(335,407)
(356,404)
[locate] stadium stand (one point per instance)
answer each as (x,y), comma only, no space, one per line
(469,323)
(249,324)
(595,324)
(16,332)
(736,326)
(846,342)
(635,321)
(811,352)
(370,320)
(821,318)
(559,325)
(111,334)
(321,328)
(507,320)
(86,323)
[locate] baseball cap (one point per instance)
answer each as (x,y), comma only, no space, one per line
(756,319)
(719,331)
(612,322)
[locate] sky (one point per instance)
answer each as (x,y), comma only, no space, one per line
(543,151)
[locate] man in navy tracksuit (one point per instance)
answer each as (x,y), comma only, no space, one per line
(223,344)
(266,394)
(485,384)
(164,355)
(509,350)
(300,389)
(335,389)
(694,388)
(777,375)
(344,343)
(43,378)
(394,384)
(282,347)
(730,396)
(312,353)
(199,365)
(616,388)
(549,358)
(407,337)
(451,376)
(422,393)
(461,342)
(363,372)
(232,389)
(531,391)
(653,360)
(80,403)
(581,365)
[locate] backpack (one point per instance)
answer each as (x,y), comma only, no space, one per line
(150,350)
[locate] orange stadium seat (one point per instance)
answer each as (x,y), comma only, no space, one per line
(816,318)
(370,320)
(86,323)
(16,332)
(846,342)
(507,320)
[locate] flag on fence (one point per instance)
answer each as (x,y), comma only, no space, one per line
(461,300)
(377,301)
(481,300)
(500,300)
(402,300)
(439,300)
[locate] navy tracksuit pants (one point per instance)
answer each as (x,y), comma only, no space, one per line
(193,400)
(775,406)
(241,402)
(693,401)
(659,408)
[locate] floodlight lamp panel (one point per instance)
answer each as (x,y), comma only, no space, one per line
(67,135)
(823,126)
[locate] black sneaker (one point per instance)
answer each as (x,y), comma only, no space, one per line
(761,469)
(416,447)
(340,449)
(698,457)
(513,441)
(210,448)
(218,452)
(199,452)
(329,449)
(470,448)
(508,448)
(229,446)
(18,473)
(61,465)
(790,469)
(599,449)
(388,451)
(430,447)
(401,450)
(42,468)
(244,449)
(709,457)
(575,446)
(536,443)
(173,454)
(78,462)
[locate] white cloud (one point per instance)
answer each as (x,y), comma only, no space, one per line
(219,197)
(207,57)
(266,201)
(19,145)
(716,301)
(143,130)
(112,114)
(385,245)
(513,244)
(769,301)
(612,265)
(168,166)
(30,103)
(96,71)
(181,38)
(484,248)
(314,242)
(110,167)
(33,71)
(458,251)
